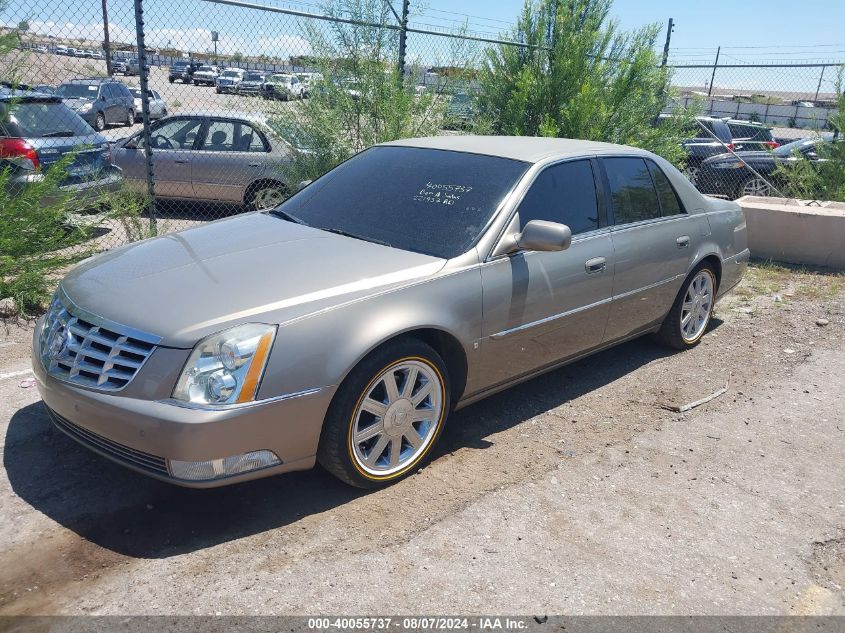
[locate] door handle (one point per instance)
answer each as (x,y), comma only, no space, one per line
(181,161)
(254,164)
(683,241)
(595,265)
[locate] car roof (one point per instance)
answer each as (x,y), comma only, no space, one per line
(530,149)
(8,94)
(218,114)
(90,81)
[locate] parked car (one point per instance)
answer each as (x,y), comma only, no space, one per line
(460,111)
(183,71)
(158,106)
(282,86)
(753,173)
(710,136)
(212,156)
(308,81)
(118,66)
(344,325)
(251,84)
(229,80)
(133,67)
(206,75)
(99,101)
(60,49)
(37,129)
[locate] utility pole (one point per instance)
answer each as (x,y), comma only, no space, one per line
(106,43)
(669,29)
(403,27)
(713,76)
(143,70)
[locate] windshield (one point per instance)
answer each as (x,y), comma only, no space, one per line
(77,91)
(427,201)
(231,73)
(33,119)
(785,151)
(460,98)
(205,69)
(279,79)
(252,77)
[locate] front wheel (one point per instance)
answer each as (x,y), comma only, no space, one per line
(690,315)
(386,415)
(130,117)
(100,122)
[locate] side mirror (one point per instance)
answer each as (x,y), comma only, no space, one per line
(541,235)
(303,184)
(102,97)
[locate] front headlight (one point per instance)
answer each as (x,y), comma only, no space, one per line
(226,368)
(85,107)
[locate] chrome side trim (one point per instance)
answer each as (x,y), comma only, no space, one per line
(548,319)
(240,405)
(625,295)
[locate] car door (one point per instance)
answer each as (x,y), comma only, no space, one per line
(232,156)
(173,143)
(107,100)
(653,242)
(543,307)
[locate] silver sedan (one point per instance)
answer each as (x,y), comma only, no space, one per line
(345,325)
(157,105)
(229,158)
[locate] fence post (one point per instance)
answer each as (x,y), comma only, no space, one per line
(145,111)
(669,28)
(819,87)
(403,32)
(713,76)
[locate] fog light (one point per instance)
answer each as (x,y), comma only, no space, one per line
(223,467)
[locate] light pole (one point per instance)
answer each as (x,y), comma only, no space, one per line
(106,43)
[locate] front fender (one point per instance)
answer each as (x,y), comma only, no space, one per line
(320,349)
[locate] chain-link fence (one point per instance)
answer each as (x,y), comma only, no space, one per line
(201,103)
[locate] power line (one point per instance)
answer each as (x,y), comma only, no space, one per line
(467,15)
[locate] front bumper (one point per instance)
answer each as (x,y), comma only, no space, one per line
(144,435)
(227,87)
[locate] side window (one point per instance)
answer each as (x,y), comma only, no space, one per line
(220,136)
(250,140)
(631,190)
(670,204)
(564,193)
(105,91)
(178,134)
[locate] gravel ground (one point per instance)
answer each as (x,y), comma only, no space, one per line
(577,492)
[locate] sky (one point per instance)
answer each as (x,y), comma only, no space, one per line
(749,31)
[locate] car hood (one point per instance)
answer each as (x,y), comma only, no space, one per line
(74,103)
(252,268)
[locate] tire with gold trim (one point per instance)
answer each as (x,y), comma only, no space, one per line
(689,317)
(387,415)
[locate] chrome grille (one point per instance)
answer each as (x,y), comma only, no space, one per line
(84,349)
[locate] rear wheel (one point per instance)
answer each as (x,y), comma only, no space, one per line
(754,186)
(690,315)
(386,416)
(100,122)
(266,195)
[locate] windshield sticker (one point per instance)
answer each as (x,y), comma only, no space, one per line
(439,193)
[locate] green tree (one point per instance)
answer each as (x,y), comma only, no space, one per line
(361,99)
(579,76)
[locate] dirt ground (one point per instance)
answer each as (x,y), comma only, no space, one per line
(579,492)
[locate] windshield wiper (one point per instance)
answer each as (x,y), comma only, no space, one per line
(60,133)
(284,215)
(354,236)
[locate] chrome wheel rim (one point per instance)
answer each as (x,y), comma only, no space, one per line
(756,187)
(698,303)
(267,198)
(397,419)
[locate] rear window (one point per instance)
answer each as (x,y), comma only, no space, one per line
(750,132)
(39,119)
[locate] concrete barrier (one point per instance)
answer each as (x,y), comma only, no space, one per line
(793,232)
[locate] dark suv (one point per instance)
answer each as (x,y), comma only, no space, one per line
(99,101)
(183,71)
(711,136)
(37,129)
